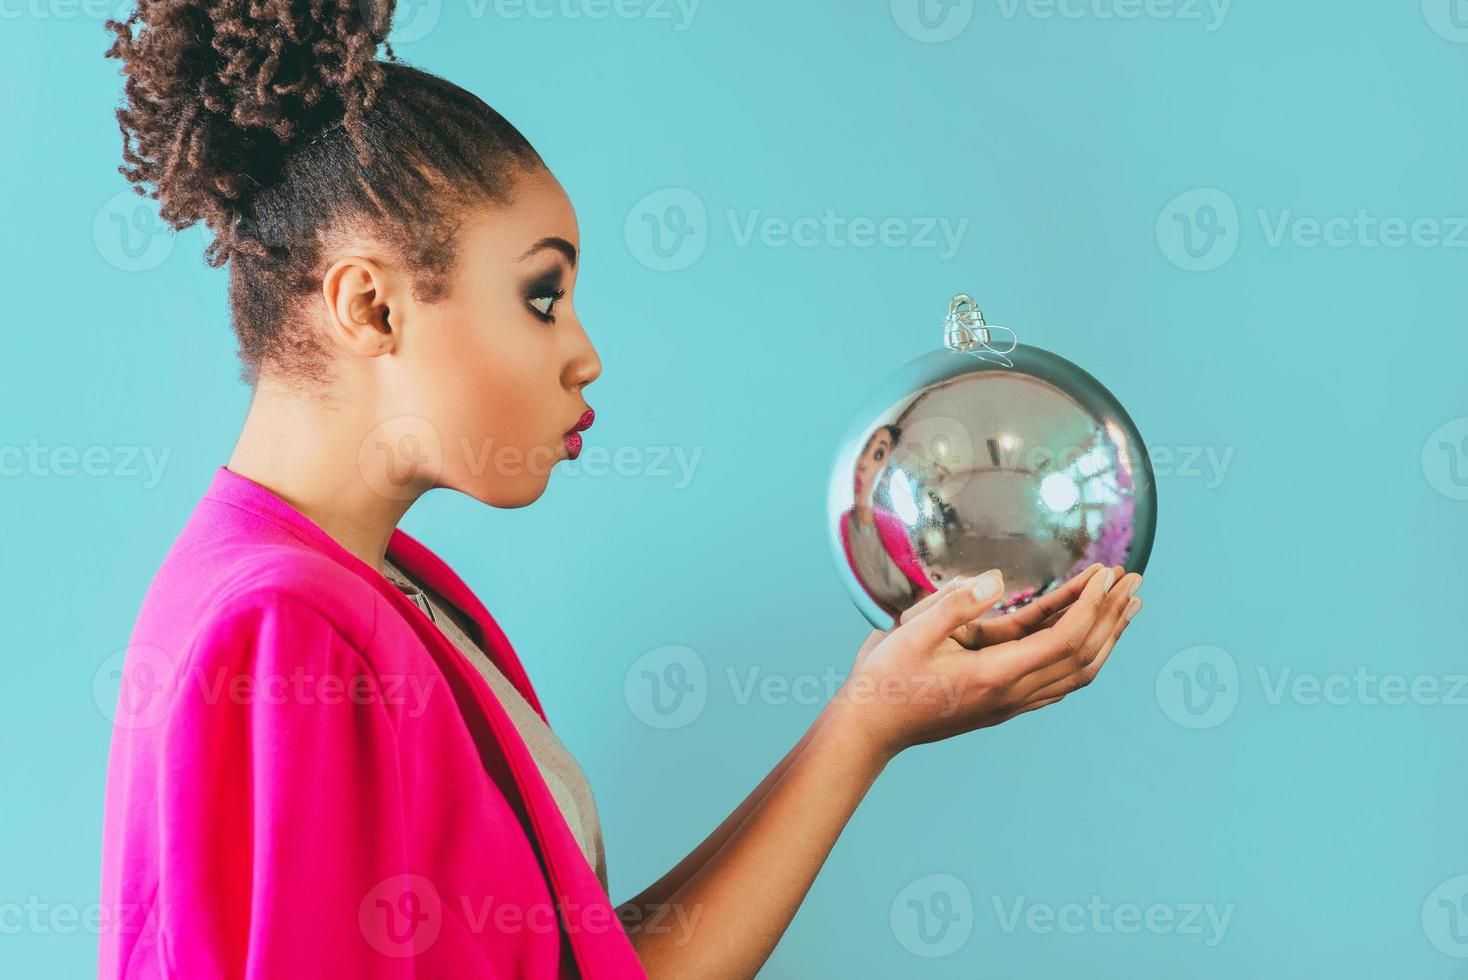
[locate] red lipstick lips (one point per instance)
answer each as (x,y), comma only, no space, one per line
(572,439)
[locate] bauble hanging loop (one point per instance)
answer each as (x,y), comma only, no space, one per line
(965,331)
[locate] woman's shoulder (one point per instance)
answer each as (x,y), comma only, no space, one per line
(272,578)
(224,576)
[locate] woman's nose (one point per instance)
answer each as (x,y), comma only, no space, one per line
(584,366)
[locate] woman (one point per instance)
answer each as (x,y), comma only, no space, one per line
(328,760)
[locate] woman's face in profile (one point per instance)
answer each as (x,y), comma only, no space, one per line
(870,465)
(498,364)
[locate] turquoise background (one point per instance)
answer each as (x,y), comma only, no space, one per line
(1095,158)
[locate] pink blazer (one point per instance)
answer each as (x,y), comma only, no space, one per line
(307,780)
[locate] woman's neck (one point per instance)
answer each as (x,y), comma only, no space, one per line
(314,454)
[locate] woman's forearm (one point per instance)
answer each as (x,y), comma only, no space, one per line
(649,901)
(740,899)
(642,906)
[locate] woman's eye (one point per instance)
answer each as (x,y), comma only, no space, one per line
(544,306)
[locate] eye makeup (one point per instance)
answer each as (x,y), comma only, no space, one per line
(543,292)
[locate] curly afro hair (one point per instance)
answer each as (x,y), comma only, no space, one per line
(275,124)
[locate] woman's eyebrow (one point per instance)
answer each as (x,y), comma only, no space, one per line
(555,242)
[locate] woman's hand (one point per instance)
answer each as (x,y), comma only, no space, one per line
(942,671)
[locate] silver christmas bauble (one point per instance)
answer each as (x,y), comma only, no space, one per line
(980,456)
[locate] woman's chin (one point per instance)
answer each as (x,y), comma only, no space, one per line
(509,495)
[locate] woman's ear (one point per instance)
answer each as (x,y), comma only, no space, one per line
(358,294)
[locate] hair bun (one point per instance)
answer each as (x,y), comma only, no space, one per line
(218,93)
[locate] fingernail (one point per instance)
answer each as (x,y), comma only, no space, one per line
(1132,607)
(1107,577)
(1136,584)
(988,585)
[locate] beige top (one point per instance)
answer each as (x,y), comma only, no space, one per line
(563,777)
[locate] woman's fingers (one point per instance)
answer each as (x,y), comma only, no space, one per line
(1034,704)
(1112,611)
(1068,683)
(1073,671)
(1001,629)
(1050,603)
(1047,607)
(926,602)
(953,608)
(1043,613)
(1129,613)
(1065,640)
(1025,708)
